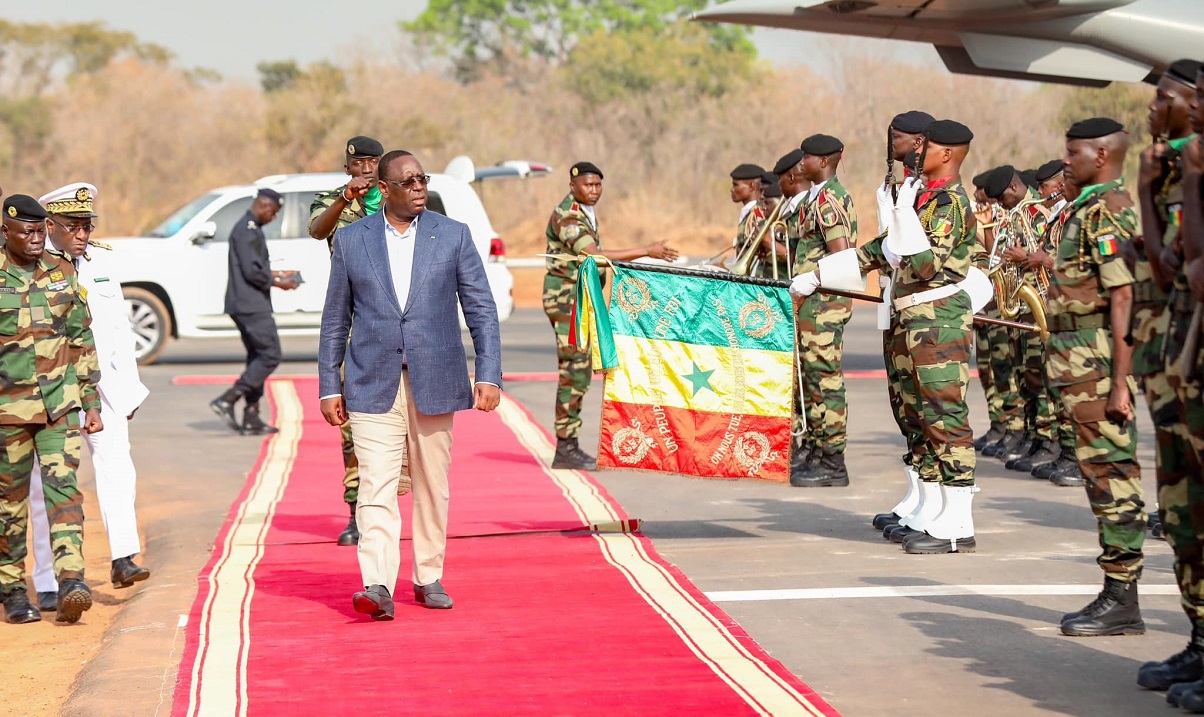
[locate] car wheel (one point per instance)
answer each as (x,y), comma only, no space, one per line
(150,321)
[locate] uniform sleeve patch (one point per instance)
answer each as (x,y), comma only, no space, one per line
(572,231)
(942,228)
(1107,244)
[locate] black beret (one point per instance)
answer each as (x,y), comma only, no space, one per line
(772,189)
(913,122)
(1049,170)
(948,133)
(788,162)
(980,180)
(998,180)
(271,195)
(1029,177)
(1184,71)
(585,168)
(24,208)
(362,146)
(1094,128)
(747,171)
(821,145)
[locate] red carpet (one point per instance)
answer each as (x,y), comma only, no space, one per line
(546,622)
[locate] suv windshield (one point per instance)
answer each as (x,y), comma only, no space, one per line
(182,216)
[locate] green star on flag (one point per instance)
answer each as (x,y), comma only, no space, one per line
(700,379)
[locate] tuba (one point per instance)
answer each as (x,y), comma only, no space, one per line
(1011,281)
(750,257)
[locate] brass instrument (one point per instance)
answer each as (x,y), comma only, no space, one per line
(1009,280)
(751,254)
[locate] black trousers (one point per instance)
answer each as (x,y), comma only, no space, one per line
(262,342)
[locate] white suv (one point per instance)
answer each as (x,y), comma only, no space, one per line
(174,278)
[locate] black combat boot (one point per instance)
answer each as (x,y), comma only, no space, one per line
(223,406)
(1045,470)
(1018,451)
(125,572)
(1176,692)
(1041,452)
(74,599)
(993,434)
(17,609)
(569,455)
(350,534)
(1114,612)
(1185,666)
(252,424)
(1066,473)
(802,458)
(1157,530)
(829,470)
(1191,698)
(1004,445)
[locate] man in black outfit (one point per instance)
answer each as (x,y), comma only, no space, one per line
(249,304)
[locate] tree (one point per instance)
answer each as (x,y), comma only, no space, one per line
(276,76)
(478,33)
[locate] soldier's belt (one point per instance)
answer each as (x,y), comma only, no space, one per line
(1147,292)
(1074,322)
(925,297)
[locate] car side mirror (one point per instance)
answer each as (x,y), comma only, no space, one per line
(204,233)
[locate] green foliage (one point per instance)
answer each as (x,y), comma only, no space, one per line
(276,76)
(681,58)
(478,33)
(1125,103)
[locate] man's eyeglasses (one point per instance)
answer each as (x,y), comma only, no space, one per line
(73,229)
(422,179)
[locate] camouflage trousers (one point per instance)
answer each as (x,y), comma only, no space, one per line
(1041,409)
(1107,455)
(573,366)
(934,371)
(57,446)
(907,417)
(1005,368)
(982,361)
(351,464)
(1181,478)
(820,337)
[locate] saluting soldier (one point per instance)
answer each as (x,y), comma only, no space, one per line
(330,212)
(1090,366)
(829,225)
(1171,394)
(573,230)
(121,393)
(931,242)
(49,360)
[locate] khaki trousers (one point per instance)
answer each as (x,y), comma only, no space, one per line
(382,441)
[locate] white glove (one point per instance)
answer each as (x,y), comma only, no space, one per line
(891,257)
(804,284)
(908,191)
(886,209)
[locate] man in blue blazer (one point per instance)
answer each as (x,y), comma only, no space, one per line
(398,276)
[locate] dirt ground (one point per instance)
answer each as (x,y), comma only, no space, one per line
(42,659)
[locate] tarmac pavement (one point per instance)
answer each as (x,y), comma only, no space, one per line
(873,630)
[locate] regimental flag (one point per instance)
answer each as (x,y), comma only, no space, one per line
(699,372)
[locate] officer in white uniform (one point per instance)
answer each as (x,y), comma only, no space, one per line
(121,393)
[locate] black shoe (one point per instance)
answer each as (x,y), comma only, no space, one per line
(48,601)
(350,534)
(1191,698)
(74,599)
(993,434)
(433,596)
(1185,666)
(827,471)
(17,609)
(1007,444)
(125,572)
(1154,523)
(570,456)
(1114,612)
(1175,693)
(374,601)
(1066,473)
(900,533)
(223,406)
(1020,449)
(925,544)
(252,424)
(882,521)
(1042,451)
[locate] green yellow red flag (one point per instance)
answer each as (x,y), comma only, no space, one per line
(699,371)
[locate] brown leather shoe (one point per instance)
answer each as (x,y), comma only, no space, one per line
(433,596)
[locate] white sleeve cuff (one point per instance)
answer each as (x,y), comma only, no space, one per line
(333,395)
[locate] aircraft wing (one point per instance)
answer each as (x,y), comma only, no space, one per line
(1085,42)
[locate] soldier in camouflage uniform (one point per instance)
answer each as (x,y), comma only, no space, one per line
(748,191)
(1173,396)
(1089,367)
(48,359)
(984,208)
(931,242)
(829,225)
(573,230)
(329,212)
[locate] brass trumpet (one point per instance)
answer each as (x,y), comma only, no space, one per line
(1011,289)
(751,254)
